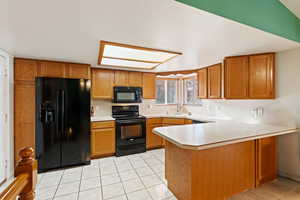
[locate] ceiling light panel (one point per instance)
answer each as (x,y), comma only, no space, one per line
(127,63)
(136,54)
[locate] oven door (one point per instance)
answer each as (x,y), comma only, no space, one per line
(127,95)
(129,132)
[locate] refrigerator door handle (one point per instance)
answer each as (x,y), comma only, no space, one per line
(58,112)
(63,132)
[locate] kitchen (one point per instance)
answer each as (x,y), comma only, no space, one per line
(142,112)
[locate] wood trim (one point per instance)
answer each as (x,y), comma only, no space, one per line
(137,47)
(15,188)
(44,60)
(129,59)
(101,52)
(255,54)
(129,67)
(26,178)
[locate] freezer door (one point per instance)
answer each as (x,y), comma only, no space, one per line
(76,122)
(48,107)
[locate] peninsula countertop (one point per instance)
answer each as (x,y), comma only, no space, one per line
(218,133)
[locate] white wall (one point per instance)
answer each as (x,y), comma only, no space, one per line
(7,102)
(284,110)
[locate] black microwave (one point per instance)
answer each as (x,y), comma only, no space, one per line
(127,95)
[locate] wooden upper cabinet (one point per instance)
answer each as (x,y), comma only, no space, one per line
(135,79)
(266,154)
(52,69)
(78,71)
(202,83)
(236,77)
(214,82)
(121,78)
(149,86)
(261,76)
(102,83)
(25,69)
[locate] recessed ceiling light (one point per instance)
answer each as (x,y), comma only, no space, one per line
(129,56)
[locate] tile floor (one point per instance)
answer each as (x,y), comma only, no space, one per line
(135,177)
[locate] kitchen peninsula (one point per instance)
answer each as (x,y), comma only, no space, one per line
(214,161)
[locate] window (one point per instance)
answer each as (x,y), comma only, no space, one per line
(190,91)
(166,91)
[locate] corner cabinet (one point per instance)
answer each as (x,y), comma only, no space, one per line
(202,83)
(210,82)
(102,83)
(103,139)
(250,77)
(214,82)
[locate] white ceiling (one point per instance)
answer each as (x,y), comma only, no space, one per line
(292,5)
(70,30)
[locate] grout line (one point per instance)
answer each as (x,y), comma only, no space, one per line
(101,186)
(80,183)
(120,178)
(58,184)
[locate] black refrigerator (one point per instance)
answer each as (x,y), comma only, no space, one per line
(62,122)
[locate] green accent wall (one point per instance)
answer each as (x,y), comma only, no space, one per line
(268,15)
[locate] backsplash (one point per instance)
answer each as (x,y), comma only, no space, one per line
(148,107)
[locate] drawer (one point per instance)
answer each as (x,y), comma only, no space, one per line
(154,121)
(174,121)
(104,124)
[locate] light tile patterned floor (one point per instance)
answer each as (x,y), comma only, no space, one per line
(135,177)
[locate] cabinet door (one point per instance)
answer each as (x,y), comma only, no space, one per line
(78,71)
(24,117)
(149,86)
(266,160)
(215,82)
(153,140)
(202,83)
(52,69)
(102,142)
(236,77)
(102,83)
(261,80)
(135,79)
(25,69)
(121,78)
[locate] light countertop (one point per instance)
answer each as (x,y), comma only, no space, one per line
(219,133)
(192,117)
(102,118)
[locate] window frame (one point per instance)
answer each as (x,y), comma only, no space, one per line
(184,96)
(166,91)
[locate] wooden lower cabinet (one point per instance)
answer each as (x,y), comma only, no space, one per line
(102,139)
(153,140)
(266,160)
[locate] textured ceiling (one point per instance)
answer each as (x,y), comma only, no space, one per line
(70,30)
